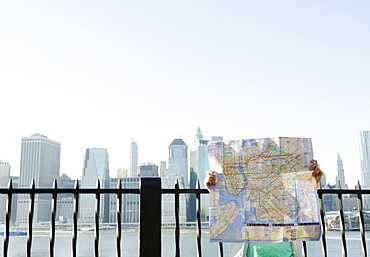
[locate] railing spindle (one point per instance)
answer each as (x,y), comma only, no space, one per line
(7,219)
(199,224)
(30,218)
(177,222)
(323,231)
(97,215)
(342,223)
(220,249)
(53,211)
(119,208)
(361,220)
(75,216)
(304,246)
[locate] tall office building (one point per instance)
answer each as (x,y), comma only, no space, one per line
(40,160)
(191,207)
(199,164)
(96,166)
(148,170)
(4,178)
(340,176)
(169,177)
(178,154)
(134,160)
(130,212)
(65,202)
(13,215)
(199,156)
(364,141)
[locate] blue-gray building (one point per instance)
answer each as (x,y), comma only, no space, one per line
(178,154)
(130,212)
(96,166)
(40,160)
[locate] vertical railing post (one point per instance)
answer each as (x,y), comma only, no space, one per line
(199,224)
(361,220)
(304,248)
(30,218)
(342,223)
(177,221)
(75,216)
(119,208)
(150,217)
(53,211)
(97,217)
(323,231)
(7,220)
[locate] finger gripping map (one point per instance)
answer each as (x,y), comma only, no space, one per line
(264,193)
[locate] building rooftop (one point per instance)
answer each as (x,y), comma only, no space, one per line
(178,141)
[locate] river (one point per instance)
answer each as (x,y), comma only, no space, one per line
(85,244)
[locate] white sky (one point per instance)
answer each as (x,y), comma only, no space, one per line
(98,73)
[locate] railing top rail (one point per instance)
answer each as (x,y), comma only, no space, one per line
(69,191)
(343,191)
(137,191)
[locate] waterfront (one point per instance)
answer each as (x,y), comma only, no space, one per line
(85,245)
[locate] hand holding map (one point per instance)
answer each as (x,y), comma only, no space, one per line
(316,171)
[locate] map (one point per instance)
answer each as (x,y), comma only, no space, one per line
(264,191)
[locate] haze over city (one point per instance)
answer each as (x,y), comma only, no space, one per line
(98,74)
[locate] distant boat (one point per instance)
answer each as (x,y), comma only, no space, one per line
(12,232)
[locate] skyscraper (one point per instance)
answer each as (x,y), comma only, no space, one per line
(364,141)
(178,154)
(130,202)
(199,164)
(148,170)
(96,166)
(340,176)
(65,202)
(169,178)
(40,160)
(134,160)
(4,178)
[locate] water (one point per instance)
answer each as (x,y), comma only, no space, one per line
(85,244)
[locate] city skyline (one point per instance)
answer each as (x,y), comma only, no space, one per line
(133,145)
(98,74)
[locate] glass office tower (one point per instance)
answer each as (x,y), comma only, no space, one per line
(178,154)
(40,160)
(96,166)
(364,142)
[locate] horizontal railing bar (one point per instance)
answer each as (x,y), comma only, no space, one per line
(95,190)
(343,191)
(70,191)
(137,191)
(184,191)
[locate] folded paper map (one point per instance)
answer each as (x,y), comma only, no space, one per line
(264,191)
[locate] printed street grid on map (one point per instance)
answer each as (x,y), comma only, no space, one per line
(264,191)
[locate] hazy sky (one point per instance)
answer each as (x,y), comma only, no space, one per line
(98,73)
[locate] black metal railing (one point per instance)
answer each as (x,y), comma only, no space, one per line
(150,216)
(359,193)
